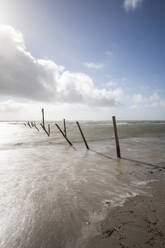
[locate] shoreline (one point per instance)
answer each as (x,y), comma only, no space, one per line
(138,223)
(55,196)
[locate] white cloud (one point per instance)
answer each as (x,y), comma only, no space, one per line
(93,65)
(20,73)
(23,76)
(151,101)
(10,106)
(131,4)
(13,109)
(114,82)
(138,98)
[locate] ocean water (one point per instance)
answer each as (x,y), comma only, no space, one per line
(54,195)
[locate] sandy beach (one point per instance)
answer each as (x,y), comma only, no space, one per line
(56,196)
(140,222)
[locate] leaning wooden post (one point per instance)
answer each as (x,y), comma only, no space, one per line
(116,137)
(44,129)
(32,123)
(29,124)
(82,135)
(49,129)
(43,118)
(36,127)
(63,134)
(64,127)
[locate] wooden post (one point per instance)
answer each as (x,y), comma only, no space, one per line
(44,129)
(43,117)
(63,134)
(64,127)
(34,124)
(49,129)
(82,135)
(116,137)
(29,124)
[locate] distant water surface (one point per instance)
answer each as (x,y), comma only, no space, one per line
(15,134)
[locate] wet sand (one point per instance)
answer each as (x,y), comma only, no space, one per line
(54,196)
(140,222)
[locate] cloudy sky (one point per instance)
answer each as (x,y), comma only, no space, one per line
(82,59)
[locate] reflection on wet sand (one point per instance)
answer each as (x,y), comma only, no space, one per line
(54,196)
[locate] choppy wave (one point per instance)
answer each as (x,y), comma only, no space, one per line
(17,135)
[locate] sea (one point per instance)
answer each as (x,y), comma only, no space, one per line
(53,194)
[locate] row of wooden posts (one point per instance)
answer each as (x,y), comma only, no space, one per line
(64,131)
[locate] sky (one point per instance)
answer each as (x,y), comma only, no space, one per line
(82,59)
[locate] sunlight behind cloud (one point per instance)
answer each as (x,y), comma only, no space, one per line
(43,80)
